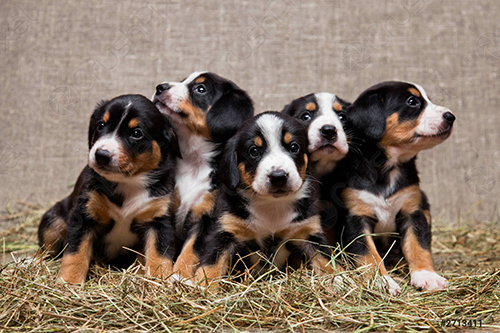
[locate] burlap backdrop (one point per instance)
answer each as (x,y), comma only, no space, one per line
(57,60)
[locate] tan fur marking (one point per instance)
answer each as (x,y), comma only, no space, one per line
(373,258)
(206,275)
(144,162)
(310,106)
(238,227)
(133,123)
(354,204)
(428,217)
(412,203)
(417,257)
(74,266)
(177,201)
(194,119)
(258,141)
(398,133)
(206,205)
(414,92)
(188,261)
(55,233)
(303,170)
(287,138)
(98,207)
(157,207)
(337,106)
(156,264)
(308,227)
(246,178)
(201,79)
(321,265)
(106,117)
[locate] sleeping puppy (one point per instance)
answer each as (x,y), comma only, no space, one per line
(396,120)
(122,197)
(265,207)
(329,136)
(205,110)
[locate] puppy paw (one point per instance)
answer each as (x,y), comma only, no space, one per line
(393,286)
(427,280)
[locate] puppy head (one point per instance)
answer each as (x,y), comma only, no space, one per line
(267,156)
(128,136)
(400,115)
(324,116)
(204,104)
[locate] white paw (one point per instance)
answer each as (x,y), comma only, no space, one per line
(392,285)
(180,279)
(427,280)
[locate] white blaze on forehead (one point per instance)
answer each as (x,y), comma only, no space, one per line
(326,116)
(275,156)
(431,120)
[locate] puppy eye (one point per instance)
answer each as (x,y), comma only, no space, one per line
(200,89)
(306,116)
(342,116)
(137,134)
(100,125)
(253,152)
(294,148)
(412,101)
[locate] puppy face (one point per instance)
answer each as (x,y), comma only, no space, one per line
(267,156)
(400,115)
(323,114)
(128,137)
(204,104)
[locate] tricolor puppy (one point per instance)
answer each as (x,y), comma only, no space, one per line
(122,197)
(329,137)
(265,207)
(205,110)
(396,120)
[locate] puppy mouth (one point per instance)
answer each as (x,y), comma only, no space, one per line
(163,107)
(441,134)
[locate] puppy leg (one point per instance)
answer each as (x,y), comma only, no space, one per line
(187,261)
(76,260)
(52,230)
(416,244)
(216,260)
(158,252)
(361,244)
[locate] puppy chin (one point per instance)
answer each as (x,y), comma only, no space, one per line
(276,193)
(328,152)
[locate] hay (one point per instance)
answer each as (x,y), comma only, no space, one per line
(122,301)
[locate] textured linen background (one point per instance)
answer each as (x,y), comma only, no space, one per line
(57,60)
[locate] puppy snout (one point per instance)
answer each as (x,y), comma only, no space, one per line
(449,117)
(329,132)
(162,87)
(103,156)
(278,178)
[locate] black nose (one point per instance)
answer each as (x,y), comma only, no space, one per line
(328,131)
(102,156)
(278,178)
(449,117)
(162,87)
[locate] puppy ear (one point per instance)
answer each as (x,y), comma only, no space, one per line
(229,173)
(93,121)
(229,112)
(172,141)
(367,115)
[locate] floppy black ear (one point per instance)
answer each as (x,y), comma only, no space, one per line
(229,112)
(367,114)
(228,171)
(94,119)
(172,141)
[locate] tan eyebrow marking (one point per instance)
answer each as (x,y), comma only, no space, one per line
(201,79)
(133,123)
(337,106)
(258,141)
(310,106)
(106,117)
(287,138)
(414,92)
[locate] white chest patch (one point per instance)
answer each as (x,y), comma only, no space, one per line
(136,200)
(384,209)
(193,175)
